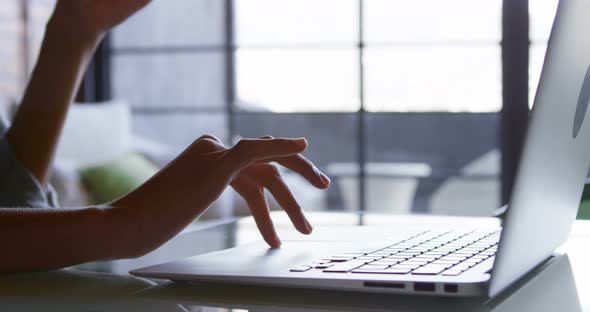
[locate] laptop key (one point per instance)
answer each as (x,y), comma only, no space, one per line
(343,267)
(337,259)
(451,262)
(396,257)
(445,265)
(406,266)
(368,258)
(341,257)
(472,260)
(429,270)
(385,271)
(427,257)
(373,267)
(408,253)
(301,268)
(420,249)
(461,267)
(473,248)
(445,248)
(467,253)
(385,262)
(411,261)
(453,257)
(323,265)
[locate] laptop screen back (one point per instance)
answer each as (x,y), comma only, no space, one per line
(556,155)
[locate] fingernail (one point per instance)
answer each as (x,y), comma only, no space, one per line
(325,179)
(301,142)
(308,227)
(276,243)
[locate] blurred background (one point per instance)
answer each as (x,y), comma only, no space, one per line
(409,106)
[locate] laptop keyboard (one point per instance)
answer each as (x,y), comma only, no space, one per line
(447,253)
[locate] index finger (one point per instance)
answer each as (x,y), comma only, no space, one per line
(304,167)
(249,151)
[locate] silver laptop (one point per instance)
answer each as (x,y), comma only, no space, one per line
(432,256)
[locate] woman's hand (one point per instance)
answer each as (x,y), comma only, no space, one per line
(90,19)
(181,191)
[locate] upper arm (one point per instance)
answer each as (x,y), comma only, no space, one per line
(18,187)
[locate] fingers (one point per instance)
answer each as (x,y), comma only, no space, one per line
(297,163)
(304,167)
(137,5)
(254,197)
(270,178)
(249,151)
(207,144)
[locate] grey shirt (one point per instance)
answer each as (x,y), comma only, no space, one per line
(18,187)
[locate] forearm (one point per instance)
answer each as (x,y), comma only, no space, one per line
(42,239)
(38,123)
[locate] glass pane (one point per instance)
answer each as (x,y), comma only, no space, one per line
(433,162)
(170,80)
(542,13)
(432,20)
(536,59)
(296,80)
(434,78)
(269,22)
(11,61)
(178,131)
(332,147)
(39,13)
(174,23)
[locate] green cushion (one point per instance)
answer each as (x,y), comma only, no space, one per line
(116,178)
(584,211)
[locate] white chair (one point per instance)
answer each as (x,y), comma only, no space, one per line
(390,186)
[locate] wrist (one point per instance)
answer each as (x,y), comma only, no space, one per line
(130,223)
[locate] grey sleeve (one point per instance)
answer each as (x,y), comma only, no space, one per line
(18,187)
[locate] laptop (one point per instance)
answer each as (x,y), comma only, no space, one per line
(435,255)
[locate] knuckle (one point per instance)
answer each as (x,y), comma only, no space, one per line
(209,137)
(241,144)
(261,192)
(272,170)
(258,193)
(242,147)
(205,145)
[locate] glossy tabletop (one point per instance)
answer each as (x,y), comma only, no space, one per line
(562,284)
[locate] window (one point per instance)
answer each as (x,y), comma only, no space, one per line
(409,92)
(11,61)
(541,15)
(169,63)
(388,86)
(433,56)
(21,32)
(380,82)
